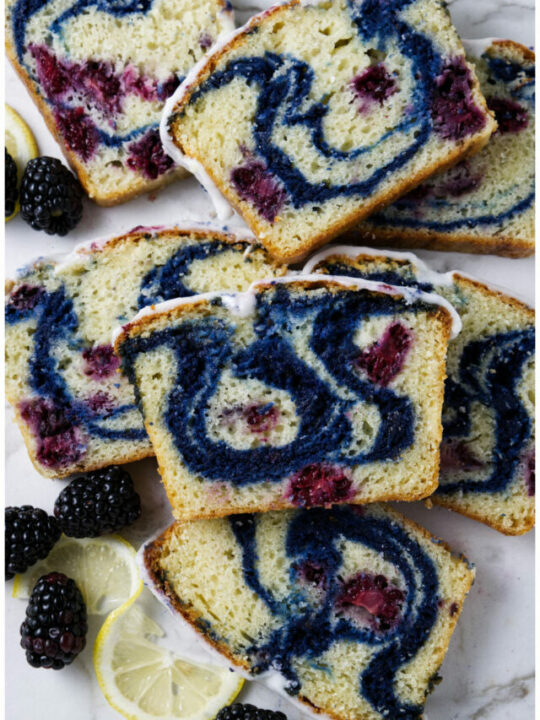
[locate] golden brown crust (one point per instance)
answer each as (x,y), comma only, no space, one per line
(413,239)
(503,297)
(153,551)
(140,185)
(465,148)
(523,527)
(516,47)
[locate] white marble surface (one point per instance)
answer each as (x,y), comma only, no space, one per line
(488,672)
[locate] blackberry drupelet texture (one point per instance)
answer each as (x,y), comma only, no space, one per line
(100,502)
(29,536)
(54,631)
(11,193)
(245,711)
(51,196)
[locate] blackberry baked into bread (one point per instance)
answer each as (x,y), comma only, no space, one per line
(74,408)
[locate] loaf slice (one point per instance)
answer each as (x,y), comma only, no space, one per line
(100,74)
(74,408)
(315,114)
(296,393)
(487,452)
(350,609)
(485,204)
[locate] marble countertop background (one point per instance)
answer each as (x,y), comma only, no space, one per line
(489,670)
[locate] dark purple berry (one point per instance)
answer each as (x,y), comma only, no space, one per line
(373,85)
(374,594)
(511,116)
(11,192)
(98,503)
(383,360)
(319,484)
(148,156)
(29,536)
(244,711)
(454,112)
(256,184)
(100,361)
(56,609)
(51,196)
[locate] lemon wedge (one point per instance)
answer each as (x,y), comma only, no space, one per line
(104,568)
(143,680)
(20,144)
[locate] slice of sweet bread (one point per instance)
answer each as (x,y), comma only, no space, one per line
(332,109)
(74,408)
(487,453)
(100,73)
(350,610)
(485,204)
(296,393)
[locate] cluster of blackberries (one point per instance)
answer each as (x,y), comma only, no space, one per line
(97,503)
(50,195)
(245,711)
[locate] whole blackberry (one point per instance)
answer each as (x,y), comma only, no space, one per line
(54,631)
(29,536)
(97,503)
(244,711)
(11,192)
(51,196)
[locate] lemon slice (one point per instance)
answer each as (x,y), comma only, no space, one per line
(143,680)
(20,144)
(104,569)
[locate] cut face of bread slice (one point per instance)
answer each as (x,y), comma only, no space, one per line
(326,111)
(100,73)
(485,204)
(75,409)
(487,453)
(296,393)
(350,609)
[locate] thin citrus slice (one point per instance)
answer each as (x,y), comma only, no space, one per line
(20,144)
(104,569)
(143,680)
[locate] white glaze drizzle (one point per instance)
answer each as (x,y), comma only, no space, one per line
(243,304)
(423,272)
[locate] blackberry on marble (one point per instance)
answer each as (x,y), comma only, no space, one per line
(29,536)
(54,631)
(98,503)
(51,196)
(244,711)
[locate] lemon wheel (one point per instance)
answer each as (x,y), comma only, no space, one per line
(20,144)
(143,680)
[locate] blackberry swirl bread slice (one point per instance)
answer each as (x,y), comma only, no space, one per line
(487,451)
(100,73)
(349,610)
(333,109)
(485,204)
(74,408)
(296,393)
